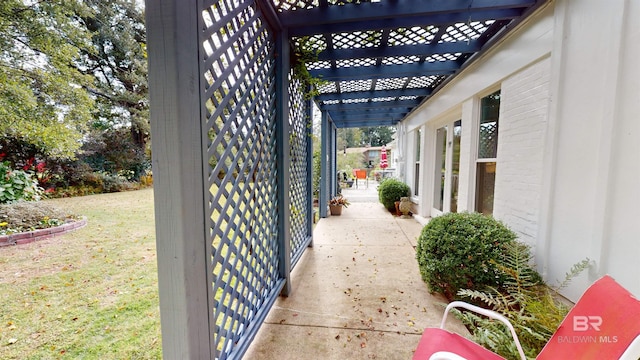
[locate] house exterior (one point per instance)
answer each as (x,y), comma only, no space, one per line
(543,133)
(370,153)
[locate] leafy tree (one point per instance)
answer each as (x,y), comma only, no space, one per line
(117,61)
(114,152)
(349,137)
(377,136)
(42,96)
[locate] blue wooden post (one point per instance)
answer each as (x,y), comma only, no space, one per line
(174,90)
(283,158)
(332,159)
(324,167)
(310,215)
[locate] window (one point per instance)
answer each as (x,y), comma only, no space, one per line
(487,153)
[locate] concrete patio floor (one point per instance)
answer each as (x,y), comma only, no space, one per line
(357,293)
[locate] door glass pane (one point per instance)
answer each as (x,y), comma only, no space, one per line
(418,140)
(416,174)
(440,161)
(488,140)
(485,185)
(455,165)
(416,180)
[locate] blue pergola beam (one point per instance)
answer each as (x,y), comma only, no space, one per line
(373,94)
(371,105)
(387,71)
(399,8)
(400,50)
(366,123)
(372,109)
(388,22)
(368,115)
(384,116)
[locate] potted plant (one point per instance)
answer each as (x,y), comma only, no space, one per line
(337,203)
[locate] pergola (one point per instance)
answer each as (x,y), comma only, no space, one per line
(381,59)
(231,113)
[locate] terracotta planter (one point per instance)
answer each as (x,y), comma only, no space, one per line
(335,209)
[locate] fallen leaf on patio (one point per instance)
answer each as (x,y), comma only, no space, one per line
(338,337)
(363,345)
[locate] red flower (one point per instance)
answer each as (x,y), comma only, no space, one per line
(29,164)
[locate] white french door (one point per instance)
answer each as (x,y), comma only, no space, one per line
(446,160)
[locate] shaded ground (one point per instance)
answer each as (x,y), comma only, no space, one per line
(357,294)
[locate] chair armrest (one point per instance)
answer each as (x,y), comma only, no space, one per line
(488,313)
(633,351)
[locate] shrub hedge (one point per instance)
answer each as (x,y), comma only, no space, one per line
(462,251)
(391,190)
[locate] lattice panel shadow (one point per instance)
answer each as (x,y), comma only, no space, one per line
(239,129)
(298,137)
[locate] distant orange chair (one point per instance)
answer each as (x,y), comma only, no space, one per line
(360,175)
(603,324)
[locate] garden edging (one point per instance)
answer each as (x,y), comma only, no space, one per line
(41,234)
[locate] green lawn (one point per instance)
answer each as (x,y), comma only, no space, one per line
(89,294)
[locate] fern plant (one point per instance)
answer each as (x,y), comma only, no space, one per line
(523,299)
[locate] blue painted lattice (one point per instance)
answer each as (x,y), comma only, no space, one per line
(239,128)
(298,138)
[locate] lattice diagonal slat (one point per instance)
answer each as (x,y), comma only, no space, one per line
(238,97)
(298,138)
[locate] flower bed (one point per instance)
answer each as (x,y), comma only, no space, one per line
(41,234)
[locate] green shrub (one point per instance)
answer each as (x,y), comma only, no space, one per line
(390,191)
(115,183)
(461,251)
(317,173)
(525,300)
(17,185)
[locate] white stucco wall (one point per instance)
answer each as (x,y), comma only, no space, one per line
(521,139)
(592,158)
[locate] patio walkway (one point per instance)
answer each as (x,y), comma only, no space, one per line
(357,294)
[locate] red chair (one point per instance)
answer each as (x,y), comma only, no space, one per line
(603,324)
